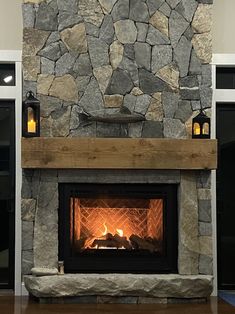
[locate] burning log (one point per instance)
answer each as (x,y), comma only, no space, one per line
(110,240)
(142,244)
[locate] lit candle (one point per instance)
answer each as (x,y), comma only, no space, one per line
(31,126)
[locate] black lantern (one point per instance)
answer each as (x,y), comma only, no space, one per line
(31,116)
(201,126)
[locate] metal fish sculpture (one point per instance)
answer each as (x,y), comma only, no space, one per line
(125,116)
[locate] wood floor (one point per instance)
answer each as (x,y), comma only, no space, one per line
(11,305)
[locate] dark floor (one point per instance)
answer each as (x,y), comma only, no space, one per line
(11,305)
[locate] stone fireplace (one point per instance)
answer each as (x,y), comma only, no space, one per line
(98,57)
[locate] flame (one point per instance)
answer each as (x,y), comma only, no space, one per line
(120,232)
(105,229)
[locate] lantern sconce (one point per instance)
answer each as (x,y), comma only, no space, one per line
(201,126)
(31,116)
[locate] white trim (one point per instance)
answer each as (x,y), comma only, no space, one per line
(15,93)
(223,59)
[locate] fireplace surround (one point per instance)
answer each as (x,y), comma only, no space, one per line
(118,228)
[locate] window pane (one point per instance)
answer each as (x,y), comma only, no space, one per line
(225,78)
(7,74)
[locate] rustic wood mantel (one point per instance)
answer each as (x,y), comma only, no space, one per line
(118,153)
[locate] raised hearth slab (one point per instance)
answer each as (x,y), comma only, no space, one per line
(147,285)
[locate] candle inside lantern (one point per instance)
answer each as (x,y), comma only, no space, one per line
(196,129)
(31,126)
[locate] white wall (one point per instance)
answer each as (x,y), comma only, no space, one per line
(223,26)
(10,25)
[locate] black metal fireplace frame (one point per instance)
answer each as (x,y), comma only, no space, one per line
(120,261)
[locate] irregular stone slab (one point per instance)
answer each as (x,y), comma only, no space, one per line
(60,122)
(205,265)
(136,91)
(82,82)
(48,105)
(152,129)
(116,54)
(104,130)
(205,245)
(165,9)
(174,128)
(184,111)
(107,5)
(150,84)
(91,11)
(113,101)
(131,68)
(44,83)
(65,88)
(55,36)
(46,222)
(142,104)
(120,284)
(75,38)
(27,235)
(170,103)
(28,208)
(202,44)
(135,130)
(173,3)
(125,31)
(182,54)
(154,5)
(33,1)
(202,20)
(46,16)
(155,37)
(189,81)
(51,52)
(143,55)
(129,102)
(120,83)
(129,51)
(66,19)
(187,9)
(160,21)
(155,110)
(206,75)
(92,99)
(206,97)
(177,26)
(31,68)
(28,13)
(196,105)
(82,65)
(27,262)
(98,51)
(204,210)
(29,85)
(103,76)
(205,229)
(70,6)
(44,271)
(33,41)
(170,75)
(195,66)
(107,30)
(64,64)
(190,93)
(92,30)
(189,33)
(161,56)
(120,10)
(142,30)
(138,11)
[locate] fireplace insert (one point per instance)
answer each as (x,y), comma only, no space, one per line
(118,227)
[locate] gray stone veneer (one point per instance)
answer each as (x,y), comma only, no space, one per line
(98,56)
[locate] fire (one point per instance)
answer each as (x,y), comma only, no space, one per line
(120,232)
(105,229)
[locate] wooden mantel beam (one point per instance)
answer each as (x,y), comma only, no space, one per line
(118,153)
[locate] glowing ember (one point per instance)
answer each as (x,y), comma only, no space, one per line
(120,232)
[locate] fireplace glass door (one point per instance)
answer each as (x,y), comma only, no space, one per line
(118,227)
